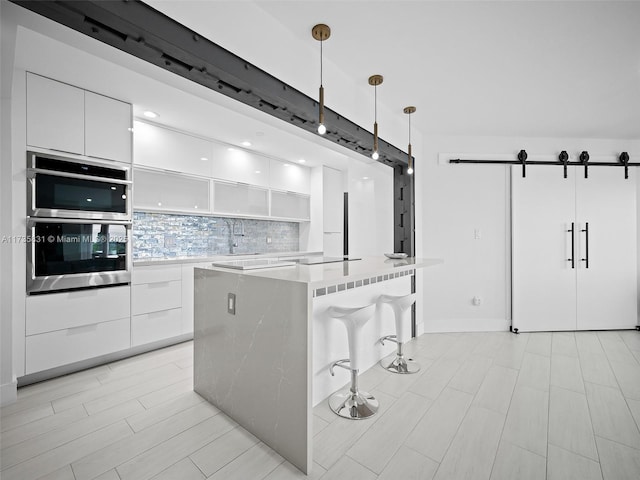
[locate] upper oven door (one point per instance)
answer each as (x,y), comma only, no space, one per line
(63,188)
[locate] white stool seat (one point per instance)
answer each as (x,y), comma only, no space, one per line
(351,403)
(401,306)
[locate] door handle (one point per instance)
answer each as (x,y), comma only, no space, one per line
(573,255)
(586,244)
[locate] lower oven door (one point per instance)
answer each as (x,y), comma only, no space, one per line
(64,254)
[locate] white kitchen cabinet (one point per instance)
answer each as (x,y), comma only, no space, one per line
(166,191)
(107,128)
(63,347)
(553,287)
(333,200)
(166,149)
(55,115)
(156,326)
(290,205)
(240,199)
(237,165)
(69,119)
(156,303)
(289,177)
(57,311)
(187,294)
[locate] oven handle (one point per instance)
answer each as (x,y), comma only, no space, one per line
(31,173)
(76,221)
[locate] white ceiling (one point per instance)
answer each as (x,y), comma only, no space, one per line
(505,68)
(522,69)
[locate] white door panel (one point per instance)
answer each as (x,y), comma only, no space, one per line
(607,290)
(544,289)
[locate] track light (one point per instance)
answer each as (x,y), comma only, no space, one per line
(374,81)
(409,111)
(321,32)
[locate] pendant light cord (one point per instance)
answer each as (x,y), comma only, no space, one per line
(375,103)
(321,41)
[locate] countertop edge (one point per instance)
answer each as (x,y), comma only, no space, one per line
(143,262)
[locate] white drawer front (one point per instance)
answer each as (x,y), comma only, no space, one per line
(153,297)
(53,349)
(57,311)
(155,326)
(153,274)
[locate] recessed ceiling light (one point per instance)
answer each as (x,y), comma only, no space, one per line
(150,114)
(302,160)
(257,171)
(204,159)
(246,143)
(287,164)
(231,149)
(365,178)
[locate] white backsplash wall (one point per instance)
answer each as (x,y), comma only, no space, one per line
(160,235)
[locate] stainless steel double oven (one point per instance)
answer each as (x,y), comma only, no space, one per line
(78,223)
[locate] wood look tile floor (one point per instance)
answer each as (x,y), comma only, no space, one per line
(485,406)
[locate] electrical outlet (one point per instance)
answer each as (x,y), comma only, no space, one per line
(268,240)
(477,234)
(476,301)
(231,303)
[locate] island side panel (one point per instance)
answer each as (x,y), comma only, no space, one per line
(330,336)
(255,365)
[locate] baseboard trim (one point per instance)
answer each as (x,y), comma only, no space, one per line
(96,361)
(458,325)
(8,393)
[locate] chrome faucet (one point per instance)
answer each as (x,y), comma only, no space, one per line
(231,227)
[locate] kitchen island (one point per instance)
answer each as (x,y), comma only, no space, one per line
(263,342)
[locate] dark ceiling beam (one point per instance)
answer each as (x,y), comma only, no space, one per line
(136,28)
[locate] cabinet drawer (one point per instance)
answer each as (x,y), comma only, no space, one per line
(153,297)
(53,349)
(156,274)
(57,311)
(155,326)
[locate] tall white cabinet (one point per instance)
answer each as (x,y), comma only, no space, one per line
(574,260)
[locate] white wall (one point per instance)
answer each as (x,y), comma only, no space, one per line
(455,200)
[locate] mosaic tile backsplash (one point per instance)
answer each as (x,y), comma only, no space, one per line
(160,235)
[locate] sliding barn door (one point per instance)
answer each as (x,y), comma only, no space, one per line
(607,289)
(543,276)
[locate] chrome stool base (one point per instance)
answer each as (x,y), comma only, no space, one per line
(401,365)
(354,406)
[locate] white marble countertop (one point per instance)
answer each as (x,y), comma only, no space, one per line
(323,274)
(143,262)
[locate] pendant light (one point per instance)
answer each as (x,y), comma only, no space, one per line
(321,32)
(374,81)
(409,111)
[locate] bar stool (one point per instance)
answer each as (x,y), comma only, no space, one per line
(350,402)
(400,306)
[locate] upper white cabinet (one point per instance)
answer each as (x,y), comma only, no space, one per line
(289,177)
(107,128)
(290,205)
(240,199)
(69,119)
(169,191)
(236,165)
(55,115)
(168,150)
